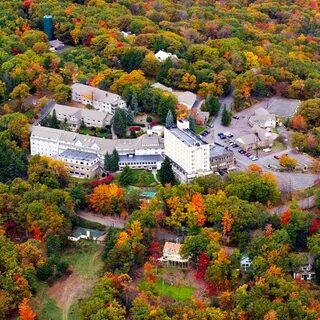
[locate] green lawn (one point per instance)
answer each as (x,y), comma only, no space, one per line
(146,180)
(47,308)
(84,258)
(141,178)
(174,292)
(199,129)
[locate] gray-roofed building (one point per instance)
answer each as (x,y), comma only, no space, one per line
(263,119)
(160,86)
(56,45)
(53,142)
(260,138)
(74,116)
(186,98)
(87,234)
(149,162)
(81,164)
(101,100)
(221,158)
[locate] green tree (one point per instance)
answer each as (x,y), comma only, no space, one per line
(131,60)
(114,161)
(53,120)
(169,120)
(79,196)
(226,117)
(62,93)
(119,123)
(107,160)
(13,162)
(166,174)
(126,176)
(3,90)
(82,125)
(212,105)
(192,124)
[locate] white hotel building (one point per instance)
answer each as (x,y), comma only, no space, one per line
(101,100)
(74,116)
(84,155)
(190,155)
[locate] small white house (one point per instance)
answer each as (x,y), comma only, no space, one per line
(56,45)
(163,55)
(88,234)
(307,272)
(245,263)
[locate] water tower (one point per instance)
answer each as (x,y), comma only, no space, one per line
(48,26)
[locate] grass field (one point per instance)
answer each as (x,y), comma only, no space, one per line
(140,178)
(82,256)
(46,307)
(84,260)
(50,310)
(199,129)
(174,292)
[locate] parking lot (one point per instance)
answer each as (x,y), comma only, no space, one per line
(240,126)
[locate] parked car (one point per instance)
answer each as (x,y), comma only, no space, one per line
(251,157)
(235,145)
(223,137)
(228,134)
(241,151)
(276,157)
(248,154)
(236,117)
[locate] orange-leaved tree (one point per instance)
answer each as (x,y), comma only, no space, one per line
(299,123)
(25,311)
(226,223)
(106,199)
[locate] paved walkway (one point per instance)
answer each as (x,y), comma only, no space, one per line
(306,203)
(44,112)
(108,221)
(154,172)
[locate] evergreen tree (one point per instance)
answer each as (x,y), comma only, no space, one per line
(169,120)
(54,122)
(107,161)
(82,125)
(166,174)
(134,103)
(126,176)
(119,123)
(226,117)
(192,124)
(213,105)
(114,161)
(129,118)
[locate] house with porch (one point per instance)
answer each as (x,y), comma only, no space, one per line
(171,256)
